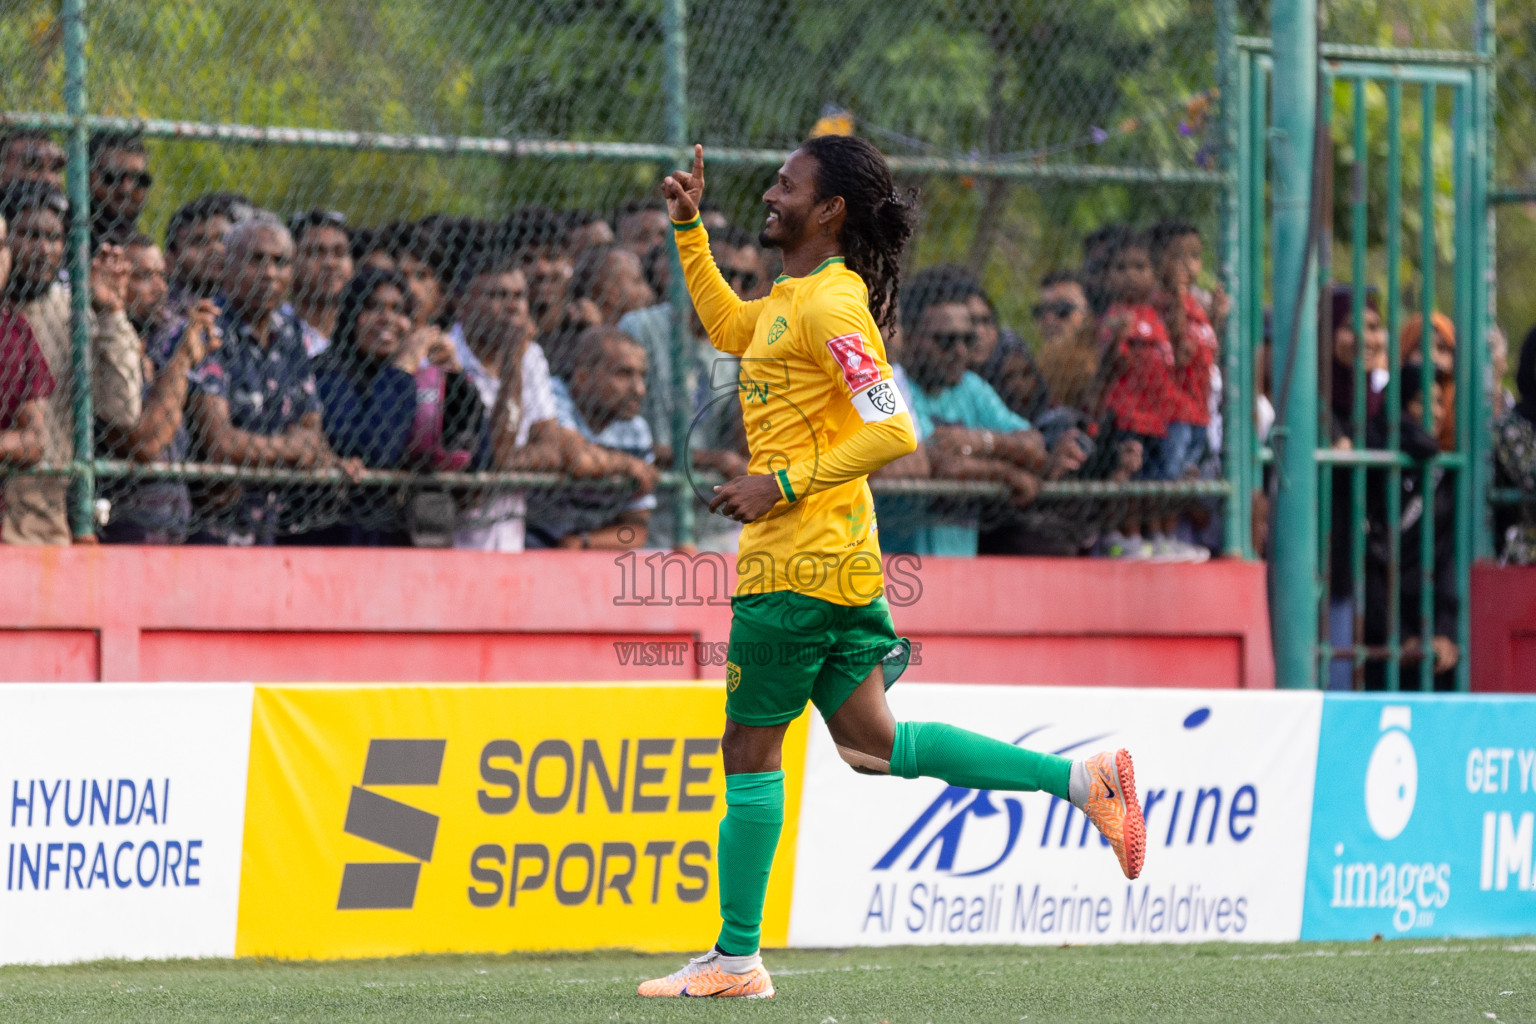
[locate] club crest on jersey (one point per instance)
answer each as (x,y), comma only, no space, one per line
(732,676)
(883,397)
(776,329)
(859,369)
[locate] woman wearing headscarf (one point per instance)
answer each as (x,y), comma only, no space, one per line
(1425,495)
(1444,358)
(1341,402)
(1514,455)
(385,405)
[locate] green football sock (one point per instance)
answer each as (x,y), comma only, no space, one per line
(749,835)
(969,759)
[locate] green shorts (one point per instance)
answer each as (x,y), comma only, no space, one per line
(787,648)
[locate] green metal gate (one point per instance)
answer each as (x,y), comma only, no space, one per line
(1404,216)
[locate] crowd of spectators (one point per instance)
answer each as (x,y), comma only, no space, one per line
(310,352)
(1123,384)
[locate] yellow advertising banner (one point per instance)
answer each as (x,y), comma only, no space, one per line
(386,820)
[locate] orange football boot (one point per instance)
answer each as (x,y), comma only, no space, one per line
(1114,810)
(706,976)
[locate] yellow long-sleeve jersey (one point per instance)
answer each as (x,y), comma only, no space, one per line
(822,412)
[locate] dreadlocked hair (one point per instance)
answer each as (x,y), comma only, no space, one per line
(879,219)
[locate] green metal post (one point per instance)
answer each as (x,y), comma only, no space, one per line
(1256,224)
(1428,258)
(1246,332)
(676,87)
(1471,506)
(1479,436)
(82,509)
(1359,242)
(1484,139)
(1329,479)
(1394,396)
(1237,396)
(1294,608)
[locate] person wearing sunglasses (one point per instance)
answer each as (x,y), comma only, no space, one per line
(967,429)
(31,154)
(120,183)
(1069,355)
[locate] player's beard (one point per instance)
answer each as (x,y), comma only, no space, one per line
(788,227)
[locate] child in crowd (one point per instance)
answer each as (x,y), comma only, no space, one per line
(1176,255)
(1142,394)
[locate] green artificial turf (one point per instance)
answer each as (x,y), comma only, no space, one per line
(1472,981)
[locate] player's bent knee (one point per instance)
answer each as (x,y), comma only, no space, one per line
(864,764)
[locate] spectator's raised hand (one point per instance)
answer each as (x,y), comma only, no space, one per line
(1447,654)
(1114,330)
(1032,453)
(1221,306)
(109,279)
(202,334)
(322,457)
(586,461)
(442,354)
(644,474)
(683,190)
(1023,488)
(306,448)
(353,468)
(1068,456)
(583,313)
(1442,649)
(427,345)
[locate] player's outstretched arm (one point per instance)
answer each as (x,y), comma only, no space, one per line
(728,320)
(845,343)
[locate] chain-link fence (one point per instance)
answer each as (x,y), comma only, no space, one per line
(398,272)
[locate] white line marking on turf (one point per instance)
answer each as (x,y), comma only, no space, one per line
(790,973)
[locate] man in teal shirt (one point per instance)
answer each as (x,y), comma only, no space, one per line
(969,433)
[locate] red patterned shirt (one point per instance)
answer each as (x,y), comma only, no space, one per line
(1142,397)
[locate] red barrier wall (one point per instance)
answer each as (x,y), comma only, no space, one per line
(1504,629)
(317,614)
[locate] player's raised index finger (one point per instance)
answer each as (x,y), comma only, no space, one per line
(698,162)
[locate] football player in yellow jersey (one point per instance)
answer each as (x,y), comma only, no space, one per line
(809,621)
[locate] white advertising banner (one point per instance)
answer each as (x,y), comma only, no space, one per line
(120,827)
(1225,778)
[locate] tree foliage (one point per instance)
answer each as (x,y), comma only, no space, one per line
(1061,81)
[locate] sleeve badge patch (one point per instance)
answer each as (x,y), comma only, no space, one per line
(859,367)
(879,402)
(883,397)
